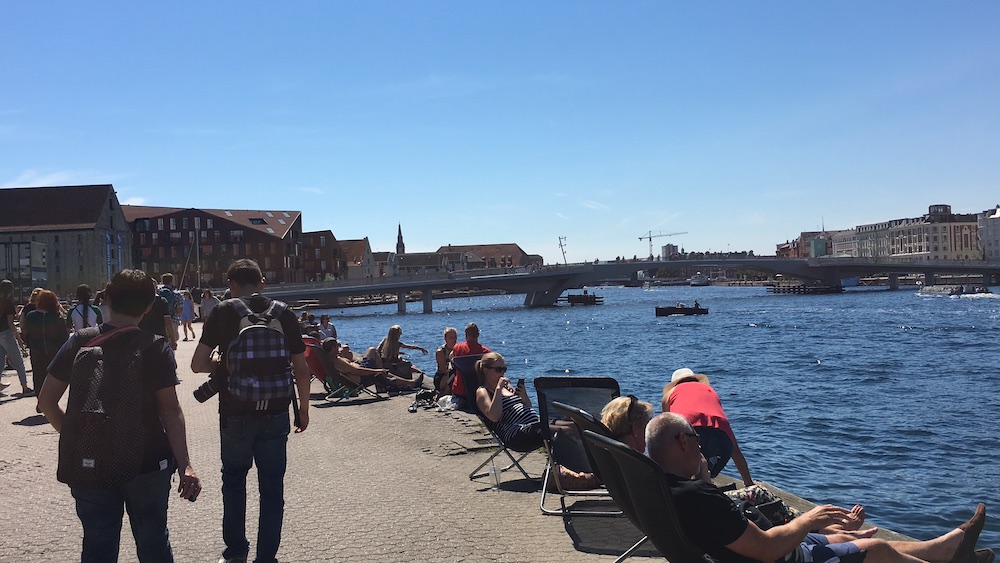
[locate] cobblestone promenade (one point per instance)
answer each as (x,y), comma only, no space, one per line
(365,482)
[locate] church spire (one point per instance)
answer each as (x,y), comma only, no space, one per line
(400,247)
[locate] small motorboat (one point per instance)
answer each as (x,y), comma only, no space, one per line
(681,309)
(699,280)
(584,299)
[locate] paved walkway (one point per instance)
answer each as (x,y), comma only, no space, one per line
(367,482)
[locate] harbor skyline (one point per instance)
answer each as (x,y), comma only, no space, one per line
(739,125)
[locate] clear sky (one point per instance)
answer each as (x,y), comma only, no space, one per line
(471,122)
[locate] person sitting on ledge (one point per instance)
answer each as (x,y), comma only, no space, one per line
(713,523)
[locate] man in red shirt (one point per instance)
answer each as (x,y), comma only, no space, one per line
(470,347)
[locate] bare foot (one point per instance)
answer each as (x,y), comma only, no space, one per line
(855,518)
(866,533)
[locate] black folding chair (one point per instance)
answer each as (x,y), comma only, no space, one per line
(646,498)
(322,368)
(564,446)
(465,367)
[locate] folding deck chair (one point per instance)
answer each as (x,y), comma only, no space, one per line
(322,368)
(585,393)
(466,366)
(641,488)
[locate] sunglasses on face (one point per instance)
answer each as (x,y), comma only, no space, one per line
(498,369)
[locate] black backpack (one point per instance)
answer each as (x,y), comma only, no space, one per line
(102,438)
(258,360)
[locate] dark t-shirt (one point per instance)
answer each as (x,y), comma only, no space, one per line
(152,321)
(710,519)
(6,309)
(44,331)
(159,372)
(223,326)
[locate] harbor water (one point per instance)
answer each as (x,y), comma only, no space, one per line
(883,398)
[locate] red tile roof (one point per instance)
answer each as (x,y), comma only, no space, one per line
(278,220)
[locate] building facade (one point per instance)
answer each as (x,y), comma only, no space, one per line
(323,258)
(938,235)
(989,234)
(359,259)
(83,229)
(504,255)
(197,245)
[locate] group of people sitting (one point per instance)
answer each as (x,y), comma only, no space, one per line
(692,441)
(383,363)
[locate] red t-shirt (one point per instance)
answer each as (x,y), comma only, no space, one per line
(464,349)
(700,405)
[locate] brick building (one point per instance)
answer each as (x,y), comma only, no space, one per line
(186,241)
(324,258)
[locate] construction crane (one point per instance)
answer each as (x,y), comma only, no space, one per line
(657,234)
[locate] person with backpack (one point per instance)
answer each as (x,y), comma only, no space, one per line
(167,291)
(261,366)
(84,314)
(122,434)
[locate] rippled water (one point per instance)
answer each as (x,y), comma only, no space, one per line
(887,399)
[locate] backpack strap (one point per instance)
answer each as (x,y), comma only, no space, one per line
(274,310)
(101,339)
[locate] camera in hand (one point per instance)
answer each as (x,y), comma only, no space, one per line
(206,391)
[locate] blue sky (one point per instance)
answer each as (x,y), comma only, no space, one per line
(741,123)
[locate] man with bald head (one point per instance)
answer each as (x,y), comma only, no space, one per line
(713,523)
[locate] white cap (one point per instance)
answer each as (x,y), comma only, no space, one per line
(681,374)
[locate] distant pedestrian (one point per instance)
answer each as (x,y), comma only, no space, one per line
(208,302)
(44,333)
(162,439)
(84,314)
(10,339)
(187,314)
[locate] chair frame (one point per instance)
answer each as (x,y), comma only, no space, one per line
(544,386)
(586,421)
(466,364)
(647,497)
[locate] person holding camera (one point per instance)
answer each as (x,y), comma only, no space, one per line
(253,432)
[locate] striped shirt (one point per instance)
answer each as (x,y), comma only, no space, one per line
(515,415)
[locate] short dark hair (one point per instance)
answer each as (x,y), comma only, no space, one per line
(167,278)
(471,328)
(131,292)
(244,272)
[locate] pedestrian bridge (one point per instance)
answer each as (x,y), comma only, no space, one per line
(543,285)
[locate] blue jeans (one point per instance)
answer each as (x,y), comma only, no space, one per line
(8,346)
(249,439)
(716,447)
(101,510)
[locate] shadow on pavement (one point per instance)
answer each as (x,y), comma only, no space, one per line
(36,420)
(605,535)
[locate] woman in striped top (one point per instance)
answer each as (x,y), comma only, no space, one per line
(509,408)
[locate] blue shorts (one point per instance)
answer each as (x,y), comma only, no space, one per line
(815,548)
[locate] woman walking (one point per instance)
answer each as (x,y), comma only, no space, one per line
(84,314)
(10,340)
(187,314)
(44,333)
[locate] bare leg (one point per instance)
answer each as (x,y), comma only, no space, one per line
(941,548)
(374,358)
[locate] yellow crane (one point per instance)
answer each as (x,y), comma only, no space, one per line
(657,234)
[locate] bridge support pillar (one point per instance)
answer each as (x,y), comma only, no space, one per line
(401,301)
(928,279)
(987,278)
(893,282)
(546,298)
(428,298)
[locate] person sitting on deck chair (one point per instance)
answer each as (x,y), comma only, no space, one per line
(355,372)
(713,523)
(513,417)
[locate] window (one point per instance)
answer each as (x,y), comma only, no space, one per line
(173,252)
(184,222)
(285,213)
(322,241)
(162,252)
(236,250)
(281,221)
(173,223)
(159,224)
(257,221)
(274,248)
(236,235)
(260,248)
(156,237)
(267,262)
(197,222)
(175,237)
(229,213)
(249,249)
(270,230)
(206,250)
(269,214)
(208,223)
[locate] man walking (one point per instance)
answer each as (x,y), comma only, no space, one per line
(253,407)
(155,428)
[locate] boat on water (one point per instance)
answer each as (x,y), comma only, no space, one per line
(681,309)
(699,280)
(953,289)
(584,299)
